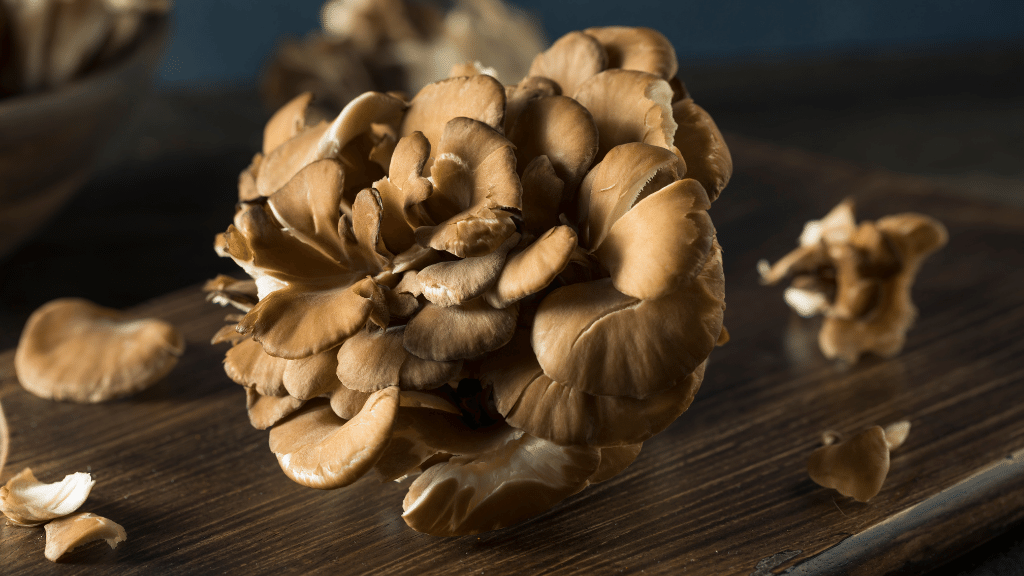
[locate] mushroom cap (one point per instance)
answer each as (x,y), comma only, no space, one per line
(856,467)
(519,478)
(66,534)
(28,502)
(637,48)
(318,449)
(72,349)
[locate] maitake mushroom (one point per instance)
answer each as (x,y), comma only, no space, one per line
(400,45)
(73,349)
(858,277)
(506,288)
(54,41)
(857,467)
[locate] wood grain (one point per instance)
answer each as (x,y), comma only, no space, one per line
(722,491)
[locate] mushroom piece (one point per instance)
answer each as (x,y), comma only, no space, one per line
(857,467)
(858,277)
(66,534)
(28,502)
(72,349)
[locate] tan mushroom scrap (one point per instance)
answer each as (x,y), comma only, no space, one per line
(504,289)
(858,466)
(859,277)
(68,533)
(28,502)
(72,349)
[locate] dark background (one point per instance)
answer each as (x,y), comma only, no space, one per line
(930,88)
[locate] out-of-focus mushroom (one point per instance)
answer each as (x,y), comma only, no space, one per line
(28,502)
(401,45)
(858,277)
(857,467)
(72,349)
(66,534)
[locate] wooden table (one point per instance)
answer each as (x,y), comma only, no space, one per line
(723,491)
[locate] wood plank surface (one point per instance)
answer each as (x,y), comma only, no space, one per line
(724,490)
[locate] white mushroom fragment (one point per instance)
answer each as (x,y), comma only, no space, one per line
(66,534)
(72,349)
(28,502)
(857,467)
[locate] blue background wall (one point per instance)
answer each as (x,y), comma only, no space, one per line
(218,41)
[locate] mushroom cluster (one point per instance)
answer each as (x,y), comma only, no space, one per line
(503,289)
(858,277)
(399,45)
(47,43)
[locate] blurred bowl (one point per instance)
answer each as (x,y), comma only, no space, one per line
(50,141)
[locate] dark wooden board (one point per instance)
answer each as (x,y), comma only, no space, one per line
(723,491)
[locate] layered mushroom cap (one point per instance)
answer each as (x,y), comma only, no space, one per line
(504,289)
(859,277)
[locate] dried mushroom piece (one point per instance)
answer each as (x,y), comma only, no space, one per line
(857,467)
(72,349)
(505,289)
(859,277)
(28,502)
(66,534)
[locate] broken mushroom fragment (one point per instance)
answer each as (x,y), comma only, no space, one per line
(859,277)
(28,502)
(504,289)
(857,467)
(72,349)
(66,534)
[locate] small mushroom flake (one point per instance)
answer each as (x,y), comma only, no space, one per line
(66,534)
(857,467)
(28,502)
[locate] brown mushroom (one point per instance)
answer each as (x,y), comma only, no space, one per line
(858,277)
(519,478)
(857,467)
(28,502)
(318,449)
(68,533)
(72,349)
